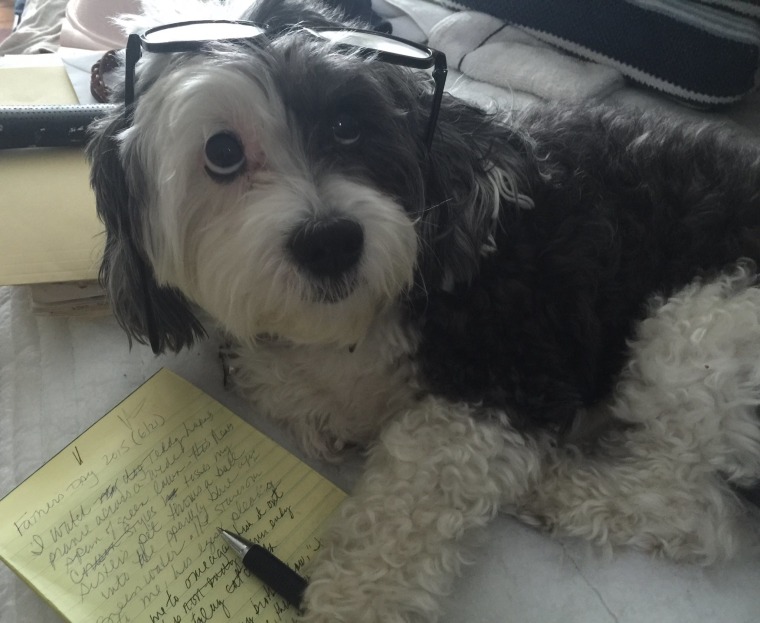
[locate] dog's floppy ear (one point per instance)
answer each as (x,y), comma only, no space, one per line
(469,185)
(148,312)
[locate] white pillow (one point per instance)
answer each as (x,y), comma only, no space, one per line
(89,24)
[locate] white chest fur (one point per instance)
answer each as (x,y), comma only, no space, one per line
(330,396)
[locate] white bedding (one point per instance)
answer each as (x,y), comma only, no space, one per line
(58,375)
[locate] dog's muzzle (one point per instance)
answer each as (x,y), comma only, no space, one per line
(328,250)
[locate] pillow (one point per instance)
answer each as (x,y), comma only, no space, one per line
(697,53)
(89,23)
(748,7)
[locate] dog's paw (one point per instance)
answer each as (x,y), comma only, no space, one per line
(351,599)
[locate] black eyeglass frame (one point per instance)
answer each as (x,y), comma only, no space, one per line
(138,42)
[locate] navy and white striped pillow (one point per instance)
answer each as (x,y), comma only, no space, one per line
(698,53)
(747,7)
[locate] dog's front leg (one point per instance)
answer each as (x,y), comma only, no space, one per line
(435,475)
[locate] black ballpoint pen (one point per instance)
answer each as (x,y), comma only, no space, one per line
(268,568)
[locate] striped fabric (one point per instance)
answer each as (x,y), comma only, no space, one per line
(748,7)
(699,53)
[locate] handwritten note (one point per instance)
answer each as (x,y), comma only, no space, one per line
(122,524)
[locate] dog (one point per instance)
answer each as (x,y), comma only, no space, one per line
(553,314)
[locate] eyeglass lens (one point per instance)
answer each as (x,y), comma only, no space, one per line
(205,31)
(371,41)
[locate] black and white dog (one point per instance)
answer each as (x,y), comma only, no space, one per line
(553,314)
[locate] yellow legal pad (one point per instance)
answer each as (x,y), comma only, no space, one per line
(50,231)
(122,524)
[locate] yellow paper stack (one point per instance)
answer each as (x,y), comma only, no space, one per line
(51,234)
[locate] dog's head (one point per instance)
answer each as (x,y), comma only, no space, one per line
(281,185)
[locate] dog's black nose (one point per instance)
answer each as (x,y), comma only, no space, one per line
(327,247)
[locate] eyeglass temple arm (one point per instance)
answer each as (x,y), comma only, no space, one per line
(133,54)
(439,77)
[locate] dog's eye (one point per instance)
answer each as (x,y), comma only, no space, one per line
(345,129)
(224,155)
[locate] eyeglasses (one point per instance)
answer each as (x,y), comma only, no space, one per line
(194,35)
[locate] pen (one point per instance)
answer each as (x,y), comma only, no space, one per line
(267,567)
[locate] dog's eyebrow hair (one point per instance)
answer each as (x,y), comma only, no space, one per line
(263,87)
(255,77)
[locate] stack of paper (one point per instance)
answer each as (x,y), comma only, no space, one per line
(50,231)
